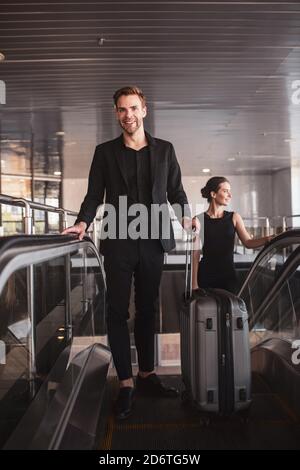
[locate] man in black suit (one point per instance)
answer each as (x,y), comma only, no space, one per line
(143,170)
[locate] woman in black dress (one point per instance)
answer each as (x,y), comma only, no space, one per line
(216,268)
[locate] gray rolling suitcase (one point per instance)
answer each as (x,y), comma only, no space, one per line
(215,350)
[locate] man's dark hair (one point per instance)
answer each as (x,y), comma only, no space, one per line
(212,184)
(129,90)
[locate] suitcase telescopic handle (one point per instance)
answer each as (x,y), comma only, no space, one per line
(188,265)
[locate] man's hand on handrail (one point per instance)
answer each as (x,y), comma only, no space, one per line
(79,228)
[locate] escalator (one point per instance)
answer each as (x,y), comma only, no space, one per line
(272,294)
(55,390)
(53,355)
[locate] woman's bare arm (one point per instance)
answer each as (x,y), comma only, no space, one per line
(245,237)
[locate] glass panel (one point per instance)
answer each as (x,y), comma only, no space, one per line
(12,220)
(39,216)
(15,156)
(20,376)
(95,293)
(46,192)
(50,316)
(53,196)
(16,186)
(76,286)
(47,159)
(265,274)
(87,298)
(87,301)
(14,353)
(281,319)
(12,216)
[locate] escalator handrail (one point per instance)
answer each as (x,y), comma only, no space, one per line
(293,235)
(20,241)
(17,252)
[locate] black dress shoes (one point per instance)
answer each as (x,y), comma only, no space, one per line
(124,403)
(153,386)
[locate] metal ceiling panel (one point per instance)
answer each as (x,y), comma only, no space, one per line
(218,76)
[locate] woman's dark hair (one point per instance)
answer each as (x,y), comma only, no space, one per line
(213,184)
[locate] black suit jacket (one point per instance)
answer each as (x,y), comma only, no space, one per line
(107,178)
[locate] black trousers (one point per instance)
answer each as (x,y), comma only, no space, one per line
(142,259)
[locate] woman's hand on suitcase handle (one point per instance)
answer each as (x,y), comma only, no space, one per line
(191,225)
(196,225)
(197,292)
